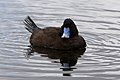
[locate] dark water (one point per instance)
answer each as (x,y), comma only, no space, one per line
(98,22)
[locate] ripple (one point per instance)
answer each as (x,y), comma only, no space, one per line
(97,21)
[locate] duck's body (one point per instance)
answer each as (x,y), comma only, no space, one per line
(52,37)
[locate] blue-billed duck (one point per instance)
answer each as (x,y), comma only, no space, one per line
(61,38)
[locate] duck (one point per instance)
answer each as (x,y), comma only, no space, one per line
(65,37)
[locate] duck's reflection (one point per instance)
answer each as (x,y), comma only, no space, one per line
(68,59)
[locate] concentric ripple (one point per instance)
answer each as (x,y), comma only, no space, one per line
(98,21)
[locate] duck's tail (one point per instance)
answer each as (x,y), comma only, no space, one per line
(30,25)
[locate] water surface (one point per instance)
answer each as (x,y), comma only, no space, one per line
(98,21)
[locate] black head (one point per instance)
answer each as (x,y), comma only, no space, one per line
(68,29)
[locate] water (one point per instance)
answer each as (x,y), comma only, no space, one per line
(98,22)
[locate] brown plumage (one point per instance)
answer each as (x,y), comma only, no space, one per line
(50,37)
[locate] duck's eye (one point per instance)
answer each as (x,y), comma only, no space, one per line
(66,32)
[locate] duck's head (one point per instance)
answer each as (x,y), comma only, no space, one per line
(68,29)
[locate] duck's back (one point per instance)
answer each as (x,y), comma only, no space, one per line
(44,37)
(49,38)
